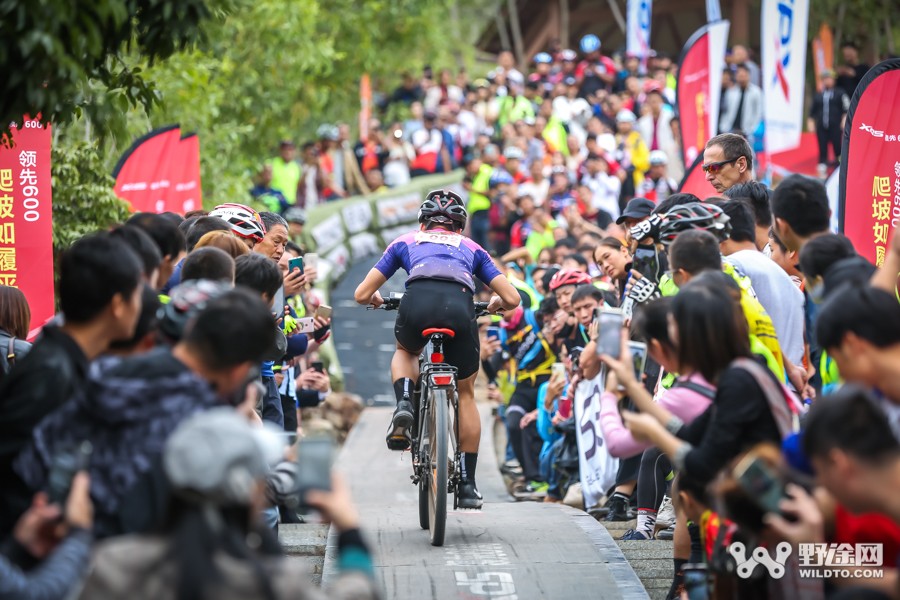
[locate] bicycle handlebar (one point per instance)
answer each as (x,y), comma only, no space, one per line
(393,303)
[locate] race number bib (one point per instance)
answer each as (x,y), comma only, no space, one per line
(439,237)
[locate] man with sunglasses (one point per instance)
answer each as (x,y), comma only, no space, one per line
(727,161)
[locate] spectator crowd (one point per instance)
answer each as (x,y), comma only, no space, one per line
(765,345)
(148,436)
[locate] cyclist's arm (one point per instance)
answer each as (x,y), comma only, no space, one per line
(509,295)
(367,291)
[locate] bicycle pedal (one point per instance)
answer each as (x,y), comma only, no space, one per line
(398,443)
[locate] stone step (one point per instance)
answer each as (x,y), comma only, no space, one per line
(306,539)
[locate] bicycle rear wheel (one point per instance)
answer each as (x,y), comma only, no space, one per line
(424,457)
(437,489)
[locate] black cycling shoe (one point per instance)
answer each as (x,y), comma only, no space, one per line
(398,431)
(468,496)
(618,509)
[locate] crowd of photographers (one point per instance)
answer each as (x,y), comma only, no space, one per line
(148,434)
(752,395)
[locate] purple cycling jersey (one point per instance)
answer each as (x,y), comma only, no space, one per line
(438,254)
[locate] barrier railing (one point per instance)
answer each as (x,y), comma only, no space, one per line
(347,231)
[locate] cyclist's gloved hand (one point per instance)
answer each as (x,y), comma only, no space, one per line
(322,334)
(643,290)
(648,228)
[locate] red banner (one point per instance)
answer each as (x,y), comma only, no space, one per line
(161,172)
(26,220)
(870,162)
(698,87)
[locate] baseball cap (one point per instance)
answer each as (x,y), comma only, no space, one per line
(513,152)
(216,457)
(569,55)
(625,116)
(570,80)
(658,157)
(543,58)
(295,214)
(637,208)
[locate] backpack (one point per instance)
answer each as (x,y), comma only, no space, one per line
(10,356)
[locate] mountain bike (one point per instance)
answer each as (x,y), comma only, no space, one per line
(434,442)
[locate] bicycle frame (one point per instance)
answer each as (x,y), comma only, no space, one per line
(436,374)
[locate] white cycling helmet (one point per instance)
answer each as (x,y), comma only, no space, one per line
(244,221)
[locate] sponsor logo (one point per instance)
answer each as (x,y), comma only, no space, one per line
(783,44)
(872,130)
(828,560)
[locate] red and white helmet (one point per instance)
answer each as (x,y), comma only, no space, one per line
(244,221)
(569,277)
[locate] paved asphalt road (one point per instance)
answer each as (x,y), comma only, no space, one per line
(508,550)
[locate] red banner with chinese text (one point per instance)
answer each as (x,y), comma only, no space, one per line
(26,219)
(161,172)
(870,165)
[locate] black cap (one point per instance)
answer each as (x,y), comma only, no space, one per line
(637,208)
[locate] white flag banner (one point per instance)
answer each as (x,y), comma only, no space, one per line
(638,33)
(833,189)
(597,468)
(713,11)
(784,32)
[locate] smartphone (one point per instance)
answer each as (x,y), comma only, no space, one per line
(610,334)
(318,366)
(761,483)
(306,325)
(558,370)
(696,581)
(63,467)
(638,352)
(295,263)
(324,311)
(311,259)
(315,455)
(493,332)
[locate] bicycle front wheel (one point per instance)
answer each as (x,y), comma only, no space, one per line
(437,491)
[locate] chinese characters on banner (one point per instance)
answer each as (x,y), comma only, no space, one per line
(26,242)
(870,169)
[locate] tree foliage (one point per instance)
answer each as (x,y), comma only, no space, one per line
(83,198)
(58,54)
(277,69)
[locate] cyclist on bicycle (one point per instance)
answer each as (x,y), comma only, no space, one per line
(441,263)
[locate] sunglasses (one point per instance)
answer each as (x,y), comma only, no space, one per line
(717,166)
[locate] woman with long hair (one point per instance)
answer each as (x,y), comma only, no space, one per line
(614,260)
(710,332)
(15,318)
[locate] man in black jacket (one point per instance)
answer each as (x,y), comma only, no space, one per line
(828,109)
(100,299)
(129,407)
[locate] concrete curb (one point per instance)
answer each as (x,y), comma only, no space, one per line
(627,580)
(329,568)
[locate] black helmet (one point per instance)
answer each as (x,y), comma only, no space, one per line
(186,301)
(695,215)
(443,206)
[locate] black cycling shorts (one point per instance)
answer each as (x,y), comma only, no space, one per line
(435,303)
